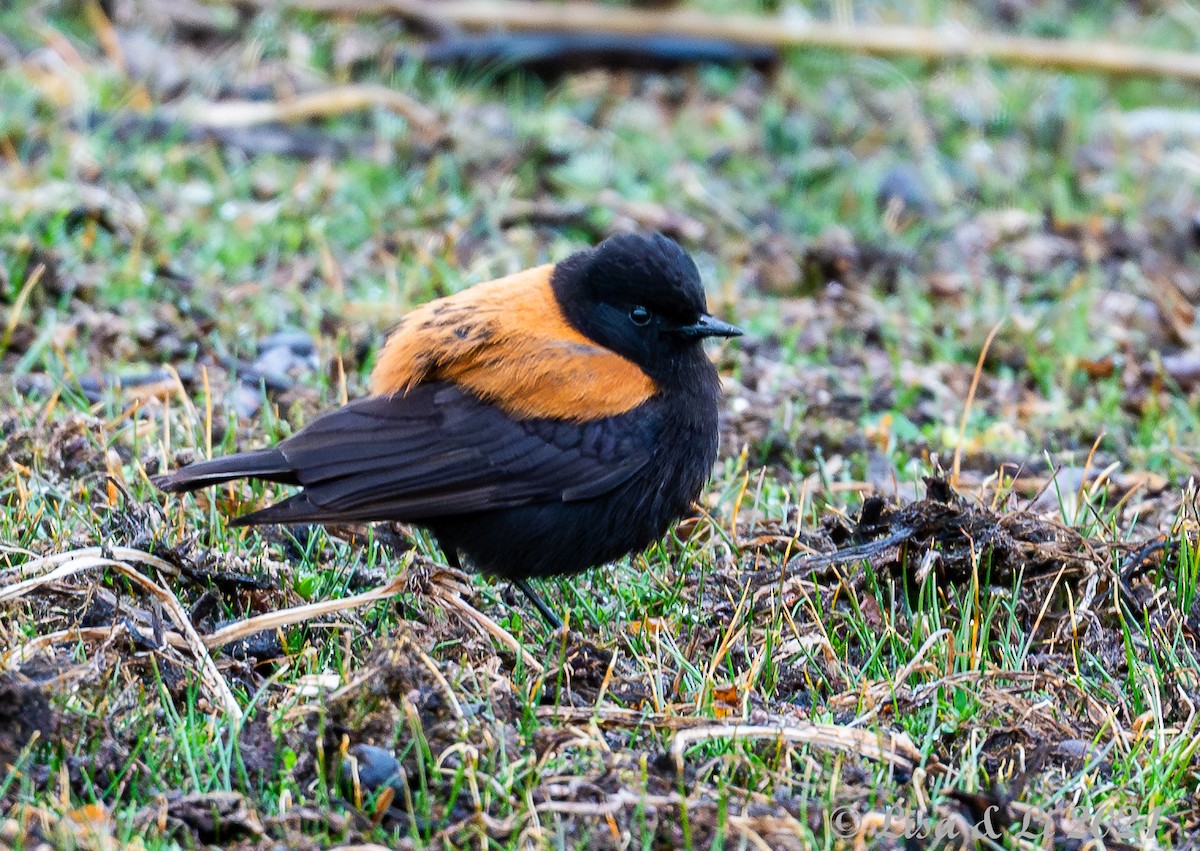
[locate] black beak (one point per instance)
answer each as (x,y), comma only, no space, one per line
(707,326)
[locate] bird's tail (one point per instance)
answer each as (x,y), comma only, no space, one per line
(268,464)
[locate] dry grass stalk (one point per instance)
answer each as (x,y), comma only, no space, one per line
(962,425)
(321,104)
(893,748)
(447,590)
(940,45)
(23,653)
(298,614)
(49,569)
(70,563)
(615,717)
(35,566)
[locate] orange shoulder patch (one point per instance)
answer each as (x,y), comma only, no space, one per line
(507,341)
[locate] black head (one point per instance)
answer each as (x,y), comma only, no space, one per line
(641,297)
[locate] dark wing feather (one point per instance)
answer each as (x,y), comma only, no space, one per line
(438,451)
(266,464)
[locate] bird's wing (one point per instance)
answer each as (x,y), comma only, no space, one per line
(438,451)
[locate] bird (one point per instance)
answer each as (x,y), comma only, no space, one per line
(539,424)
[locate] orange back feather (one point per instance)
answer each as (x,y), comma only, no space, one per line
(508,342)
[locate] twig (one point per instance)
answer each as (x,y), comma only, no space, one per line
(612,804)
(297,614)
(893,748)
(22,653)
(34,569)
(333,101)
(612,716)
(77,561)
(209,673)
(447,593)
(438,676)
(553,53)
(944,44)
(907,670)
(52,568)
(916,695)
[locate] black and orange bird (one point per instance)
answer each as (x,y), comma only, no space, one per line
(539,424)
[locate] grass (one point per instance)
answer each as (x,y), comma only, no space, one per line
(1033,661)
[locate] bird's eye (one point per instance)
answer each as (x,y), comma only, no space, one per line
(639,316)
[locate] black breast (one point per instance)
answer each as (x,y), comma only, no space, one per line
(553,537)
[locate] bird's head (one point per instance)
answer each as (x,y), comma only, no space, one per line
(641,297)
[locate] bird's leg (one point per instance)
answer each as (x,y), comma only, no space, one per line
(451,553)
(546,612)
(453,560)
